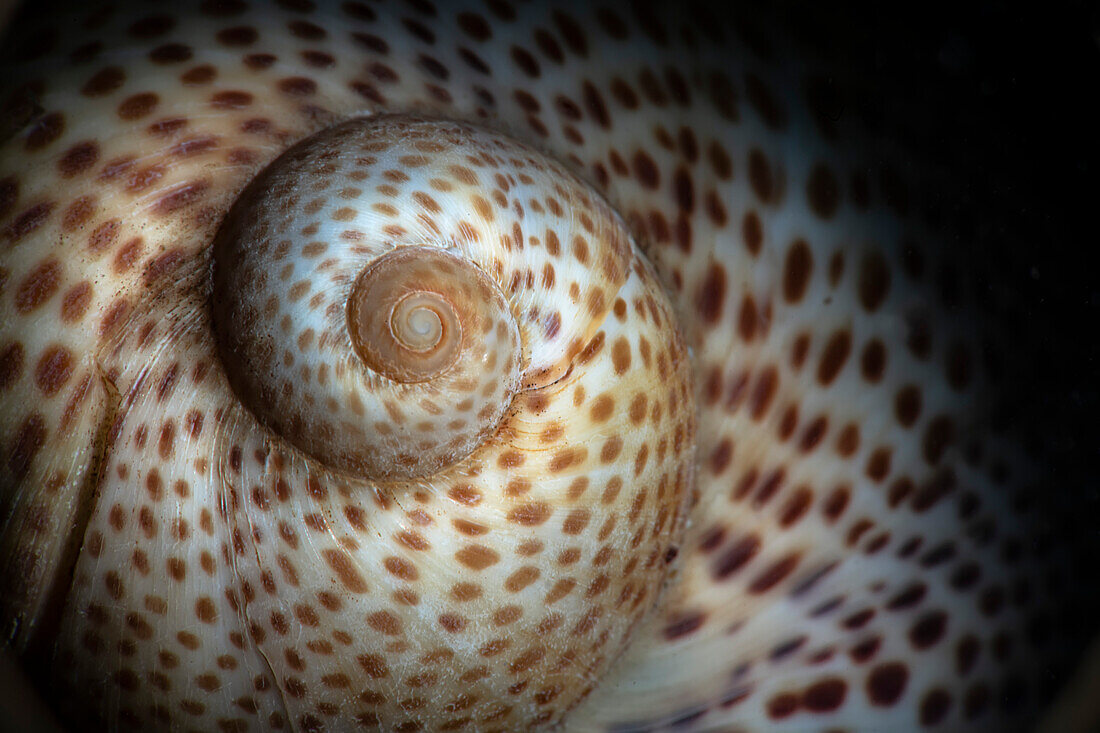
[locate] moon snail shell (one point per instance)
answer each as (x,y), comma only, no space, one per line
(408,367)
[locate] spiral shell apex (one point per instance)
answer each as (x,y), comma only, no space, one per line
(383,317)
(269,290)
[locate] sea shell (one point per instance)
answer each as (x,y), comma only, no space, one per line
(470,366)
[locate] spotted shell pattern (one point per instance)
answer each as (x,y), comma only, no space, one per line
(711,452)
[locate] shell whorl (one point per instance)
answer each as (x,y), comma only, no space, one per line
(406,357)
(385,289)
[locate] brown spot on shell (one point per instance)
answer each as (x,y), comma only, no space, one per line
(797,269)
(341,564)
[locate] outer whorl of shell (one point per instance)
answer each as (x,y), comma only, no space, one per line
(335,389)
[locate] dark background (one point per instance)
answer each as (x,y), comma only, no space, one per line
(1007,98)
